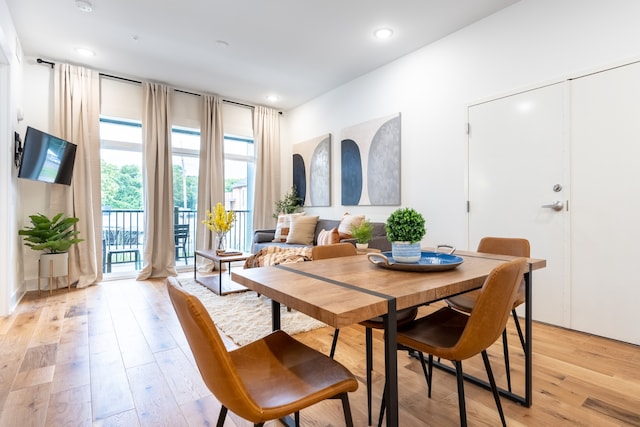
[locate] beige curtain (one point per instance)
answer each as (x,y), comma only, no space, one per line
(211,172)
(76,119)
(266,137)
(159,248)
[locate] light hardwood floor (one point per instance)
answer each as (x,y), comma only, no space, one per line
(115,355)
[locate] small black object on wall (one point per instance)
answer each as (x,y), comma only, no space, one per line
(17,149)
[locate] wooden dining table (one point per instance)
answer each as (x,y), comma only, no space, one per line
(348,290)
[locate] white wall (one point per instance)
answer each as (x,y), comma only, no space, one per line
(528,44)
(10,83)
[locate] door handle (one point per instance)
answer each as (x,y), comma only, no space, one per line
(556,206)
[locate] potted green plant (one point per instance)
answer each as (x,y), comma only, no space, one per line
(289,203)
(405,229)
(54,236)
(362,233)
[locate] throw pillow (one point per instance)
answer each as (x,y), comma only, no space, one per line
(282,227)
(347,222)
(328,237)
(302,230)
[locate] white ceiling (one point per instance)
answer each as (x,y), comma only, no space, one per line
(297,49)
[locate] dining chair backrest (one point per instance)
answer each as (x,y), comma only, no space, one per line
(333,251)
(213,360)
(513,246)
(491,311)
(505,246)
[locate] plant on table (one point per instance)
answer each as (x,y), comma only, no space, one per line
(363,232)
(220,221)
(405,229)
(405,225)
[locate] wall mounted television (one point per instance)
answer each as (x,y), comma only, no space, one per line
(47,158)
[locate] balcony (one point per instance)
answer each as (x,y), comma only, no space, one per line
(123,237)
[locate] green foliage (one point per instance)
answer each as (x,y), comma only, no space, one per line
(362,233)
(289,203)
(405,225)
(53,235)
(121,187)
(229,183)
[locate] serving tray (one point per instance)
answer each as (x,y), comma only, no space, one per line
(429,261)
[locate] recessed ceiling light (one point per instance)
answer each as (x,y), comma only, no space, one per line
(383,33)
(272,98)
(84,6)
(85,52)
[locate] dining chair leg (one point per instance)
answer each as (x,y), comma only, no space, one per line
(505,350)
(369,358)
(430,373)
(427,374)
(222,416)
(383,406)
(346,409)
(494,388)
(334,343)
(461,403)
(296,418)
(519,329)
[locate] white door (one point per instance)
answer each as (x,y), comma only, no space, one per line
(605,147)
(517,165)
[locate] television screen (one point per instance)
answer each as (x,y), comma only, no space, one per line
(47,158)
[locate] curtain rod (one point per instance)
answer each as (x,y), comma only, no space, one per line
(52,64)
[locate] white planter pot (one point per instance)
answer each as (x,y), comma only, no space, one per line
(60,265)
(406,251)
(362,246)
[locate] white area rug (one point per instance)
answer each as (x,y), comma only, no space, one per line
(244,317)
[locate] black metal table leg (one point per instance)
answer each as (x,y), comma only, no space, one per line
(391,363)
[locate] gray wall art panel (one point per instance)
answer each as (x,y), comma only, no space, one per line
(370,163)
(312,170)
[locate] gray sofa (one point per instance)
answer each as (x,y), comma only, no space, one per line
(263,238)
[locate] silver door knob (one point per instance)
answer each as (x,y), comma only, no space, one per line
(556,206)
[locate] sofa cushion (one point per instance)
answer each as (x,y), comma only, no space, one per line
(328,237)
(302,229)
(283,225)
(347,222)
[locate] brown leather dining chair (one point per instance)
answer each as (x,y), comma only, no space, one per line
(455,336)
(268,379)
(403,316)
(465,302)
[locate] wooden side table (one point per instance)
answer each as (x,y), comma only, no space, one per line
(209,281)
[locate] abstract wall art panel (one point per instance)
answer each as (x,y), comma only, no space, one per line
(370,163)
(312,170)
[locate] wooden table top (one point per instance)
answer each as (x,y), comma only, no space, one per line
(347,290)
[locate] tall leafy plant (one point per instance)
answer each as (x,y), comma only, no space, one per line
(289,203)
(52,235)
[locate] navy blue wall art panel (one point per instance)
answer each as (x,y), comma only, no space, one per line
(351,168)
(312,170)
(299,177)
(371,166)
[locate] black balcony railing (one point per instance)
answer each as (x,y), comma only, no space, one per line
(123,236)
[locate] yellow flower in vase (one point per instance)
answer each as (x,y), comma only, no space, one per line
(220,222)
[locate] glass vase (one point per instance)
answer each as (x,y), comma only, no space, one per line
(220,242)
